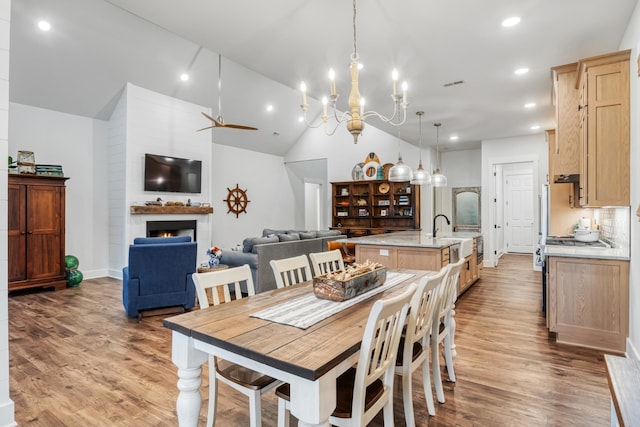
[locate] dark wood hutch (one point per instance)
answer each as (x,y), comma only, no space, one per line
(375,206)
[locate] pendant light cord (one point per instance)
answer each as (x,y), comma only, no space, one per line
(355,50)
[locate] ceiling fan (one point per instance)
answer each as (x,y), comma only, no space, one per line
(219,122)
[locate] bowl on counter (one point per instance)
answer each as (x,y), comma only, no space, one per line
(587,235)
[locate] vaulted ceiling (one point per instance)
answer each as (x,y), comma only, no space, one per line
(95,47)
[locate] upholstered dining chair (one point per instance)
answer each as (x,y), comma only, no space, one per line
(347,250)
(415,344)
(248,382)
(289,271)
(362,391)
(324,262)
(445,316)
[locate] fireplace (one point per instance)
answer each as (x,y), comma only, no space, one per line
(172,228)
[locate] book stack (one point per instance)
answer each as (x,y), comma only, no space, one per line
(49,170)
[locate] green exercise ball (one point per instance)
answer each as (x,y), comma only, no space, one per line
(74,277)
(71,262)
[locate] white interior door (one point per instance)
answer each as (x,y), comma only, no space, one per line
(519,211)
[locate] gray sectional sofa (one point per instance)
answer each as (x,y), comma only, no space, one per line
(276,244)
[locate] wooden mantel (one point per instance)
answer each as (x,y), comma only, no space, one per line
(155,210)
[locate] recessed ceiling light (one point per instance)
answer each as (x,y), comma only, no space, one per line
(529,105)
(453,138)
(520,71)
(44,25)
(184,77)
(535,127)
(269,107)
(510,22)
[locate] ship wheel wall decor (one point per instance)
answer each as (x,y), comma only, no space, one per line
(237,200)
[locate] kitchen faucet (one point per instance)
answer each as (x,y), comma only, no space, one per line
(434,223)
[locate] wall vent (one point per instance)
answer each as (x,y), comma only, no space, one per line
(458,82)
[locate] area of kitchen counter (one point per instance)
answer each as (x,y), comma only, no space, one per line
(621,254)
(418,239)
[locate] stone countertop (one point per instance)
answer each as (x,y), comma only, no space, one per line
(419,239)
(621,254)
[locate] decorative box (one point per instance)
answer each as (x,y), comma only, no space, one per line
(330,286)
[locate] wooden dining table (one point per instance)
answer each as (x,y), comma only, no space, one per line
(309,359)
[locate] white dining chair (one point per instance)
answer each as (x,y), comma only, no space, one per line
(362,391)
(248,382)
(324,262)
(443,328)
(415,344)
(290,271)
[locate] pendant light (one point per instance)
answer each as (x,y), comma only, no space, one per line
(438,179)
(400,172)
(420,176)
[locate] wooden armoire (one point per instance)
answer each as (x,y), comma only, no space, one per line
(36,231)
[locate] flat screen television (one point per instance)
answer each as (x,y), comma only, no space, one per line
(172,174)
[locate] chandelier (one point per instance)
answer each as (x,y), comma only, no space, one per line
(356,115)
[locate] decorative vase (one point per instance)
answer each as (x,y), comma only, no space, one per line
(213,261)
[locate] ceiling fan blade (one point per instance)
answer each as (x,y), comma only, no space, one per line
(232,126)
(208,127)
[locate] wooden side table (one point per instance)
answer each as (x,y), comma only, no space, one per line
(208,269)
(218,289)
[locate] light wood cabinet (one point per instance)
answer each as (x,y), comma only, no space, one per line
(373,207)
(432,259)
(470,272)
(588,302)
(36,232)
(603,83)
(565,150)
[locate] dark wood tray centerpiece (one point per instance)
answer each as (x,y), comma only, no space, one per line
(352,281)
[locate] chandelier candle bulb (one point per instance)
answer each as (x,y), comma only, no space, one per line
(394,76)
(332,82)
(324,109)
(303,88)
(404,94)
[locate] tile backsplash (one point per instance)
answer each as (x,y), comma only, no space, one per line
(614,225)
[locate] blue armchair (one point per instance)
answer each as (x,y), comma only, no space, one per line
(159,274)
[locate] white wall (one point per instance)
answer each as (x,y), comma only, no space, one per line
(6,404)
(463,169)
(529,148)
(268,188)
(631,40)
(78,144)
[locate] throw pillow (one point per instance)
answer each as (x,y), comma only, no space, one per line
(288,237)
(295,231)
(261,241)
(307,235)
(271,232)
(326,233)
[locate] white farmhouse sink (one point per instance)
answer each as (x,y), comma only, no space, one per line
(466,245)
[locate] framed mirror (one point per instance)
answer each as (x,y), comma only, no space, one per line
(466,208)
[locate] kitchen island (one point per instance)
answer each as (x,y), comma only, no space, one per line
(419,250)
(588,296)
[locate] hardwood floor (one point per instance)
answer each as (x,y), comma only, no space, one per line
(76,360)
